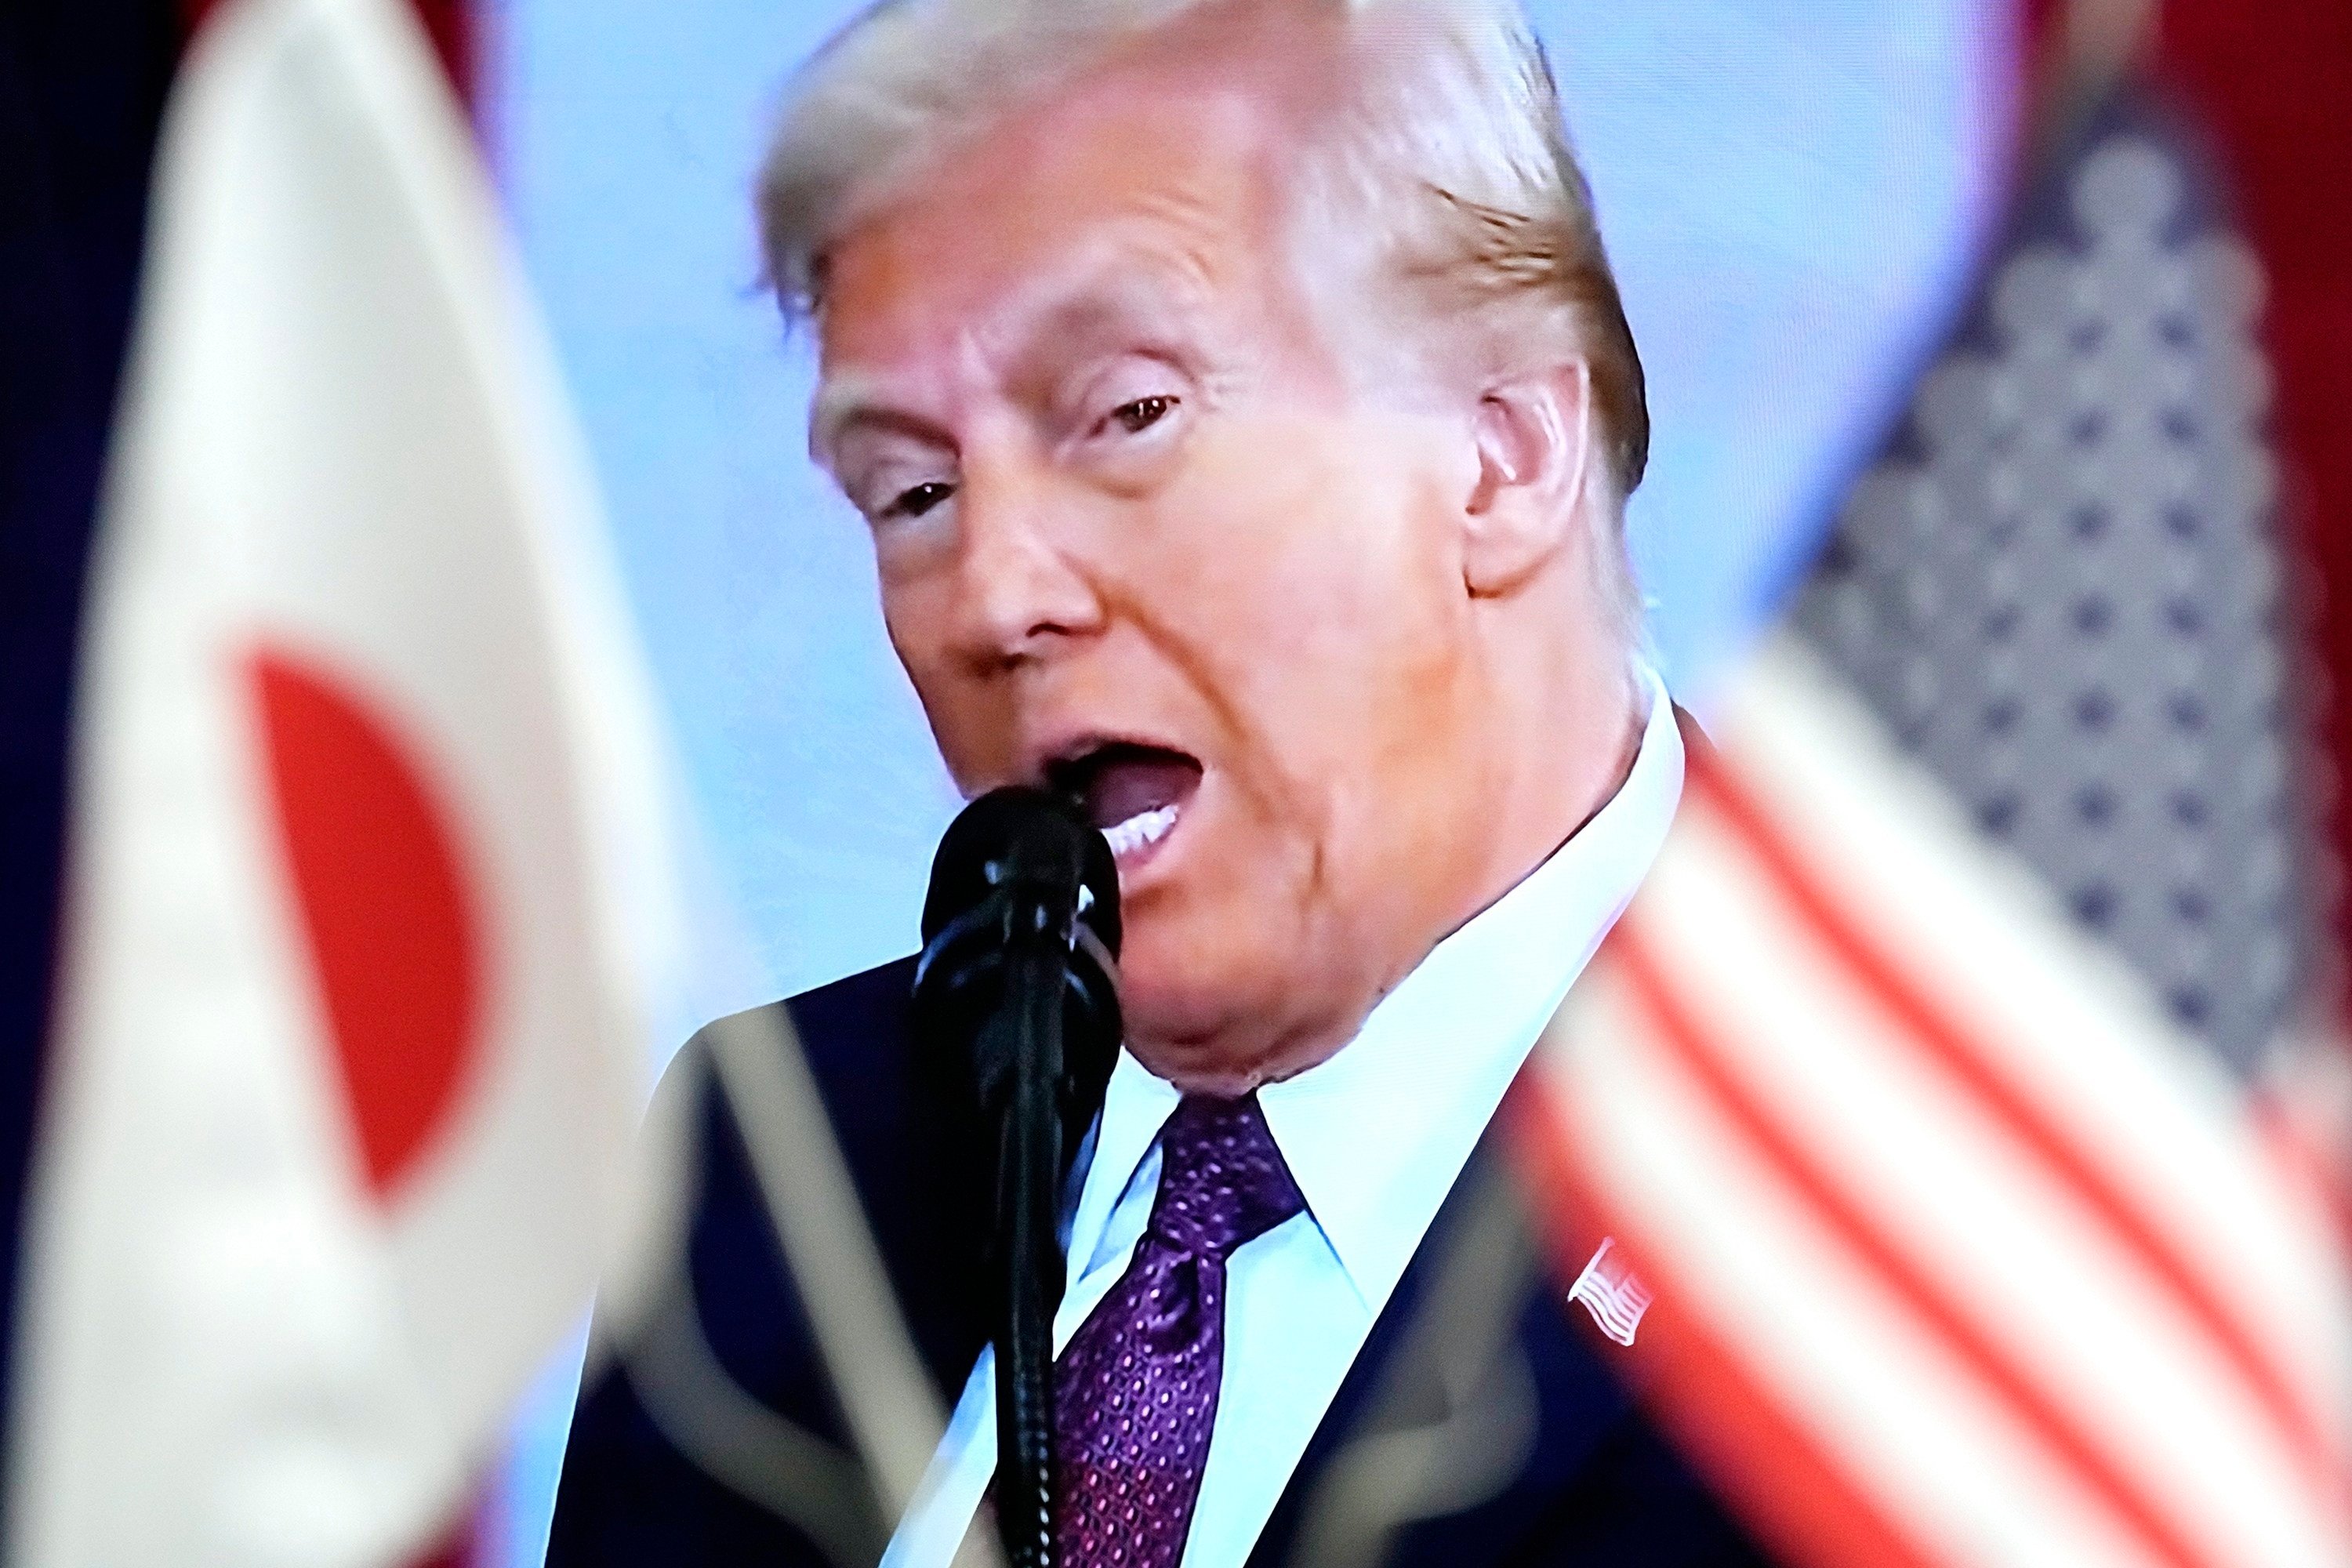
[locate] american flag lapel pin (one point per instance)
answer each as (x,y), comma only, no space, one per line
(1608,1291)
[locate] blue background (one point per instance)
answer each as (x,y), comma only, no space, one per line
(1791,194)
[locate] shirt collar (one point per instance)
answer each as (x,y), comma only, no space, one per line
(1376,1135)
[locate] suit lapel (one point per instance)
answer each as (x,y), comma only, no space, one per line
(1471,1404)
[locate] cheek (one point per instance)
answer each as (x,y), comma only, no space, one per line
(1358,607)
(965,714)
(1306,541)
(1309,579)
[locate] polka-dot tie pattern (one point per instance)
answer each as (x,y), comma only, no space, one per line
(1136,1389)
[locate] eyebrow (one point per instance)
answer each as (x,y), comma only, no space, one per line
(856,401)
(1092,311)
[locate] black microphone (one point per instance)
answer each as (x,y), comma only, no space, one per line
(1017,989)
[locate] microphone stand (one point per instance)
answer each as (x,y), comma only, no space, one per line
(1028,1176)
(1017,996)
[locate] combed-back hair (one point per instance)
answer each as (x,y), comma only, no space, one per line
(1445,159)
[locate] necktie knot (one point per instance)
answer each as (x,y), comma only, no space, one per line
(1221,1179)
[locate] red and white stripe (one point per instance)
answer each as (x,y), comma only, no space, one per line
(1963,1256)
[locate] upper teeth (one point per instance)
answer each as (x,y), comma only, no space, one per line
(1144,827)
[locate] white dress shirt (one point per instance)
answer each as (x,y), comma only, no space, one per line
(1375,1137)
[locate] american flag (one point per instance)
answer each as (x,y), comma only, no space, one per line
(1917,1080)
(1612,1293)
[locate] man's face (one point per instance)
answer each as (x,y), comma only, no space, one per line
(1139,540)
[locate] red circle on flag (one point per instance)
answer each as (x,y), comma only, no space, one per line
(385,905)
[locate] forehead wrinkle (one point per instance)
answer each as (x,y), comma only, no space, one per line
(1149,263)
(1159,307)
(1152,272)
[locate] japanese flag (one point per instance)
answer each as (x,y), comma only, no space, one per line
(367,877)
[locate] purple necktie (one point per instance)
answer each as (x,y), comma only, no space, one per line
(1136,1389)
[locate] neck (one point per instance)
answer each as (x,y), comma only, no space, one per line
(1567,727)
(1565,762)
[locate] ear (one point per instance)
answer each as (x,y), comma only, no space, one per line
(1534,437)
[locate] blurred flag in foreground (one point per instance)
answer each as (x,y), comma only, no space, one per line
(1918,1083)
(367,875)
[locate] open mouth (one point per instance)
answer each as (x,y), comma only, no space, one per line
(1135,793)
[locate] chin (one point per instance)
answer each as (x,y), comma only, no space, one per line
(1209,1015)
(1182,1008)
(1170,1011)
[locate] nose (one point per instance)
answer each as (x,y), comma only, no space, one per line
(1021,594)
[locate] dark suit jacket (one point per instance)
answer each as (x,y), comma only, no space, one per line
(1484,1422)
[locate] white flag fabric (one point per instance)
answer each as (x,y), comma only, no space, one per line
(367,870)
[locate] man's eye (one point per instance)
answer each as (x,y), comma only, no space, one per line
(1142,414)
(919,499)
